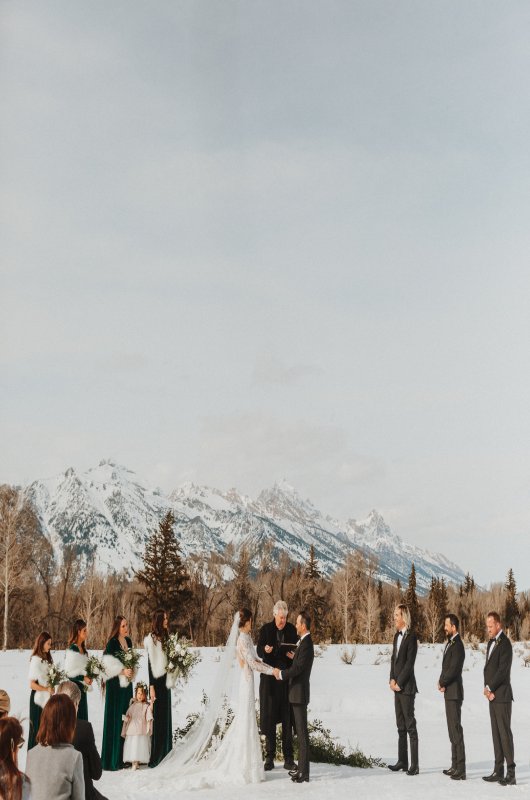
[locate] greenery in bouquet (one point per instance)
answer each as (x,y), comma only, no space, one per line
(55,676)
(95,670)
(181,659)
(130,659)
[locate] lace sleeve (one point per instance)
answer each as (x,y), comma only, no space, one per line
(247,653)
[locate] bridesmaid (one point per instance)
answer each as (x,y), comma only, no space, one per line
(40,659)
(161,742)
(117,699)
(77,643)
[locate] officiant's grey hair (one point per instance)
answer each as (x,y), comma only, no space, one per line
(280,607)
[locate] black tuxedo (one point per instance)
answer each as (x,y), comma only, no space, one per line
(273,694)
(298,676)
(85,743)
(402,671)
(497,677)
(451,680)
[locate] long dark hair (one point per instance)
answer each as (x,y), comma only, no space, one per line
(12,777)
(38,647)
(244,615)
(75,630)
(116,626)
(157,625)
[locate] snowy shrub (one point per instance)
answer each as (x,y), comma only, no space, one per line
(348,654)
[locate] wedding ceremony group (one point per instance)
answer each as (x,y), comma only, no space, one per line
(223,746)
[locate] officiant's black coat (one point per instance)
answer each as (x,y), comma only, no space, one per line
(272,694)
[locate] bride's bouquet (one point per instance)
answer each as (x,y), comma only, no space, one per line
(181,659)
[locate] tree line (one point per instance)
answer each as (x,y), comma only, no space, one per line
(201,592)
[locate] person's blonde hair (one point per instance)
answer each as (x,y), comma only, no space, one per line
(405,613)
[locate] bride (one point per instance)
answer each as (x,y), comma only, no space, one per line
(200,760)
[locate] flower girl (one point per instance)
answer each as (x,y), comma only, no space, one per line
(137,727)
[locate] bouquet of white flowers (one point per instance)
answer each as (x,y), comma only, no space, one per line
(55,676)
(95,670)
(130,660)
(181,659)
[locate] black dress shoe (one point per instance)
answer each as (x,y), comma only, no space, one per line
(458,776)
(495,777)
(509,780)
(449,772)
(290,765)
(413,771)
(300,778)
(293,772)
(268,765)
(396,767)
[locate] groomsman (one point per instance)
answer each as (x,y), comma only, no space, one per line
(298,676)
(273,647)
(498,690)
(452,687)
(403,684)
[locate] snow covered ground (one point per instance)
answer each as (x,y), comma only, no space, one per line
(355,703)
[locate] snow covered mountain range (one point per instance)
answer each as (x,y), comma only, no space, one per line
(108,514)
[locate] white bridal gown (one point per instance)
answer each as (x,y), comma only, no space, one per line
(236,760)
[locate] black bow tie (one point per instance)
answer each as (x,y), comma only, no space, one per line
(400,633)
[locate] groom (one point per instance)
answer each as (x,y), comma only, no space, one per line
(298,675)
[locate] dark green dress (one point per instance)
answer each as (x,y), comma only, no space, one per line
(34,720)
(116,704)
(161,741)
(82,711)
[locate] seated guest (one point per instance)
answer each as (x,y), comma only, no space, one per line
(14,785)
(84,742)
(54,766)
(5,703)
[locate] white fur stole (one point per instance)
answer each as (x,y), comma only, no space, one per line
(157,657)
(113,668)
(75,663)
(38,672)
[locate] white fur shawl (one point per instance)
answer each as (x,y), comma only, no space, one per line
(38,672)
(75,663)
(113,668)
(157,657)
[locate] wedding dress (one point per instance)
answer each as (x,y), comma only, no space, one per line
(200,760)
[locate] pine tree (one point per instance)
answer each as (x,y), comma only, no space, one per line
(164,575)
(314,599)
(243,594)
(512,617)
(412,603)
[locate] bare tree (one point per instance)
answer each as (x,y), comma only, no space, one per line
(18,525)
(369,611)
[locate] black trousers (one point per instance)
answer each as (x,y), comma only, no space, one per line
(302,733)
(501,731)
(406,725)
(274,703)
(453,713)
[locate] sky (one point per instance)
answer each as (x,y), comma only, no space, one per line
(249,241)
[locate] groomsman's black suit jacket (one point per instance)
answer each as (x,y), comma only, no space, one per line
(497,669)
(85,743)
(402,665)
(452,666)
(299,672)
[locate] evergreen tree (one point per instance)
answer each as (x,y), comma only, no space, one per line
(243,594)
(412,603)
(512,617)
(314,595)
(164,576)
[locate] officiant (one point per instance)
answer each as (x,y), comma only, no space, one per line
(276,646)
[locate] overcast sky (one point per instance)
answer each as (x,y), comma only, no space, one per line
(247,241)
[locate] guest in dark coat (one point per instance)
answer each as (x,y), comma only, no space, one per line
(276,646)
(85,743)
